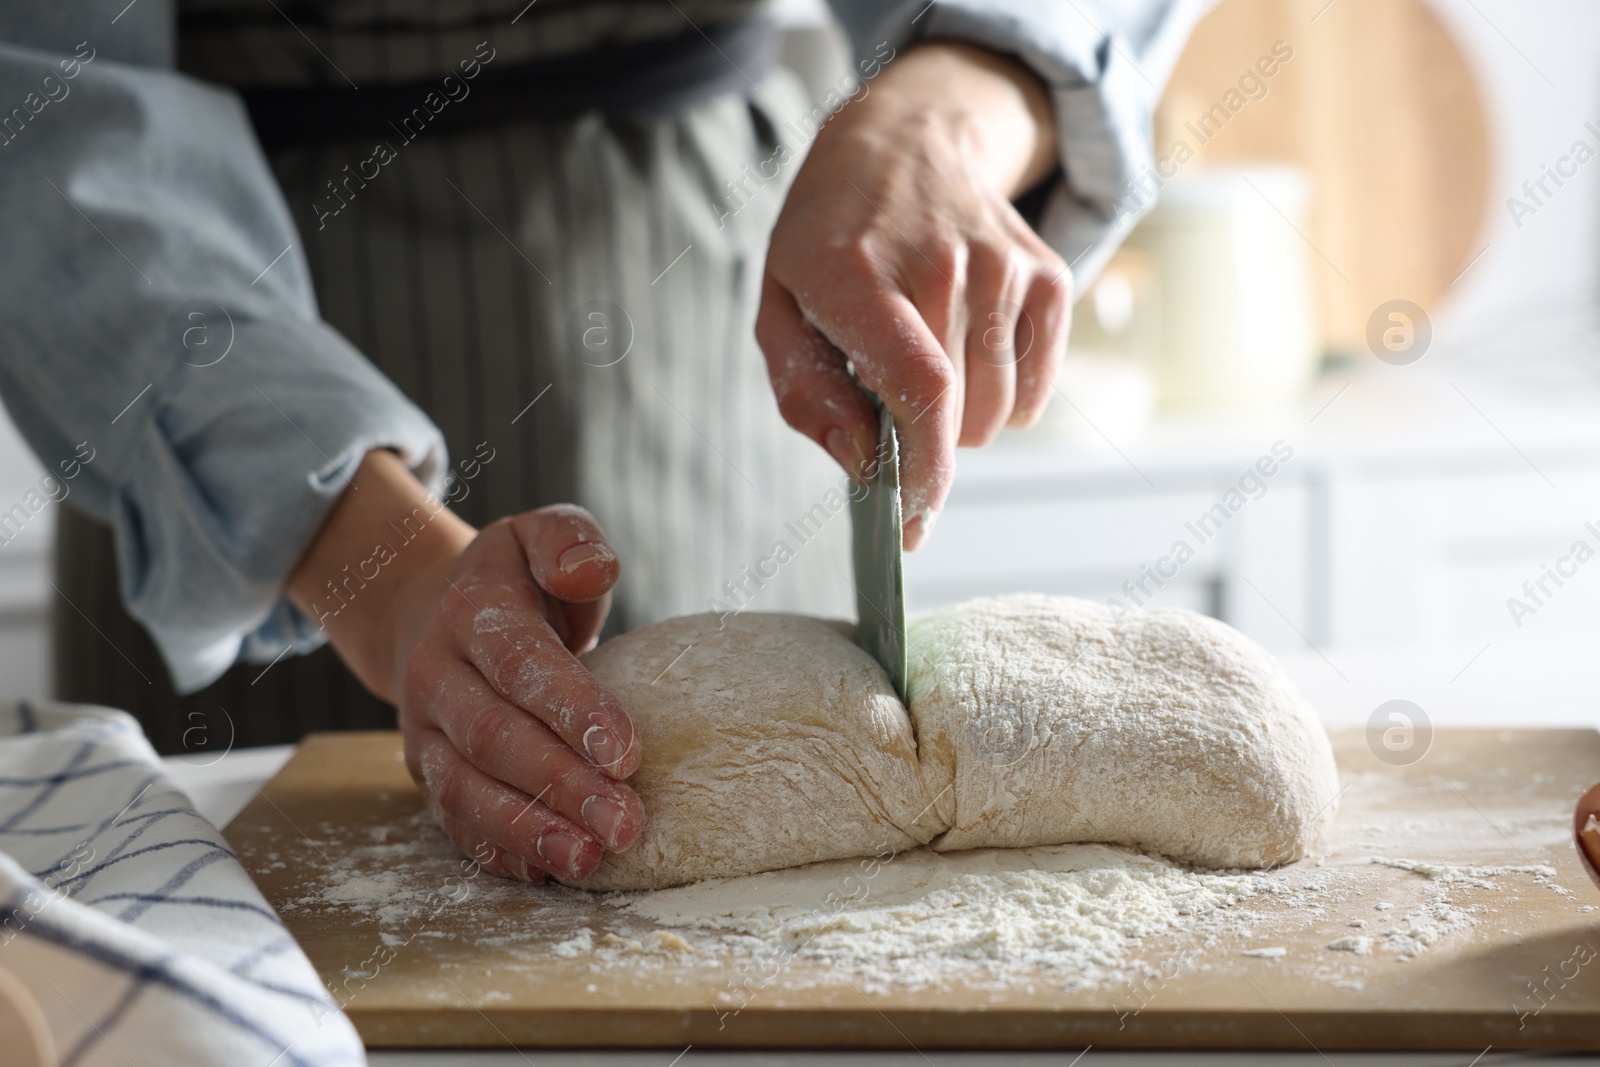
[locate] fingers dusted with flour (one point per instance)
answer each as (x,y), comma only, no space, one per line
(897,357)
(523,723)
(574,568)
(474,635)
(521,637)
(812,383)
(900,254)
(530,840)
(1041,342)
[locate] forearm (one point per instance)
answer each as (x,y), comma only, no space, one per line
(385,548)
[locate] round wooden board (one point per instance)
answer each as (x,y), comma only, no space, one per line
(1380,108)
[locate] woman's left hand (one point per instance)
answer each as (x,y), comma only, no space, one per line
(898,252)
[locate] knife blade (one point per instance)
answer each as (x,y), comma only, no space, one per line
(878,555)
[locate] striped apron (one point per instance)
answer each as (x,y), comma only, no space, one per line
(573,295)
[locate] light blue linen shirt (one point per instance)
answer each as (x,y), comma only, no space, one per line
(156,306)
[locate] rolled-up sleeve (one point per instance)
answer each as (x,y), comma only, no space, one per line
(160,347)
(1105,65)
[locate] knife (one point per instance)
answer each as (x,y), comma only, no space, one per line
(878,553)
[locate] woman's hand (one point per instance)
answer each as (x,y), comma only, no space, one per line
(518,750)
(899,252)
(1586,825)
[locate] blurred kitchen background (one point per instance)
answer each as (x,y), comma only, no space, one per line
(1350,204)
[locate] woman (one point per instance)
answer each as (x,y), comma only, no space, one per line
(545,226)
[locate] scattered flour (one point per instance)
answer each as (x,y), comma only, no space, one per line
(1074,910)
(1477,877)
(363,889)
(580,944)
(657,942)
(1439,915)
(1076,917)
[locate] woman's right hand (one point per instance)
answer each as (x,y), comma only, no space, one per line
(519,752)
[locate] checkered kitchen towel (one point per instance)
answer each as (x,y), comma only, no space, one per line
(128,918)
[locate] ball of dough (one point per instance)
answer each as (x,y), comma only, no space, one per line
(772,741)
(769,741)
(1168,731)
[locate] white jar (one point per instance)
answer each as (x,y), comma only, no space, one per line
(1236,329)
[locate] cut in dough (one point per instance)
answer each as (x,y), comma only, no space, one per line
(772,741)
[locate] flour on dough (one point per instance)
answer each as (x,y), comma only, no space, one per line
(772,741)
(1170,732)
(769,741)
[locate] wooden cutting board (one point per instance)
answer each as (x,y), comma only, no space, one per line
(424,953)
